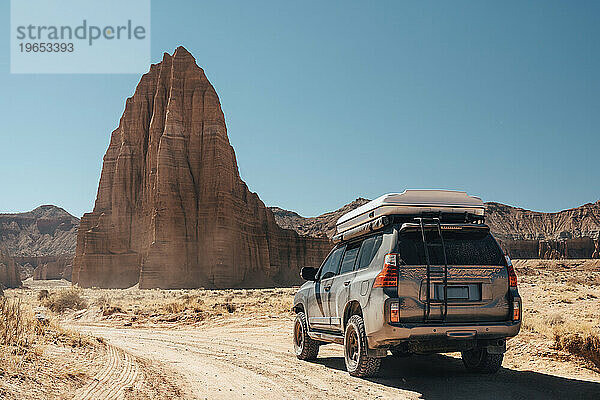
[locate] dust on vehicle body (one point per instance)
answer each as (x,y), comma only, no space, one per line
(411,273)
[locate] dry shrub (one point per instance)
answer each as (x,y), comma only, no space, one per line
(101,301)
(71,338)
(584,343)
(16,325)
(106,307)
(18,331)
(584,279)
(43,295)
(555,319)
(182,304)
(174,307)
(65,299)
(110,310)
(23,361)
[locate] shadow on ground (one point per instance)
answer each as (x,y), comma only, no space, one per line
(442,377)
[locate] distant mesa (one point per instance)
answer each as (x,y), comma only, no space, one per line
(41,242)
(572,233)
(171,209)
(321,226)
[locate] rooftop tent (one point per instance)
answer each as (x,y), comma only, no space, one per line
(412,203)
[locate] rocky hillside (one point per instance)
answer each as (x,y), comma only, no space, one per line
(572,233)
(47,230)
(38,239)
(516,223)
(171,209)
(321,226)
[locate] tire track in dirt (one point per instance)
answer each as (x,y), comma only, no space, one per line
(120,372)
(252,358)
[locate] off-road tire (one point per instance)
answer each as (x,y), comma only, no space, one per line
(358,363)
(305,347)
(480,361)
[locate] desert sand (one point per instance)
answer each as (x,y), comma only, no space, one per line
(223,344)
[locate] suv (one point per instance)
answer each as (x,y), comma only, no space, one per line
(410,279)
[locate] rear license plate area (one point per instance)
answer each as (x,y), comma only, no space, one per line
(467,292)
(458,292)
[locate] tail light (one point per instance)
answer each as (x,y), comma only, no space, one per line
(512,276)
(516,311)
(388,277)
(394,312)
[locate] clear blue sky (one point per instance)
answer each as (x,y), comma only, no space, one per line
(328,102)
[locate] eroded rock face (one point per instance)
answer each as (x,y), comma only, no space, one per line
(55,268)
(572,233)
(320,226)
(523,233)
(46,231)
(38,237)
(171,209)
(517,223)
(9,272)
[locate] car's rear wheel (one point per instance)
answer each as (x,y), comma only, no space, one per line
(305,347)
(358,362)
(480,361)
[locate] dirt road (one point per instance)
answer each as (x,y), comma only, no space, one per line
(252,358)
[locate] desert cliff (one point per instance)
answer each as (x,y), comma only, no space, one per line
(41,240)
(171,209)
(572,233)
(9,272)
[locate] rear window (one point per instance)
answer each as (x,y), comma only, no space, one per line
(461,249)
(369,248)
(349,257)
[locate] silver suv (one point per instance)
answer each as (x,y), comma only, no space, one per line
(418,283)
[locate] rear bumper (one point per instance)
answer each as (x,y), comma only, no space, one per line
(395,334)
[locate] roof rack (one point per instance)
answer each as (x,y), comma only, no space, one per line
(448,206)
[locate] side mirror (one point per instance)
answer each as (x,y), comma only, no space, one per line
(308,273)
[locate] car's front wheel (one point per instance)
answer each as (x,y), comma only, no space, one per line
(480,361)
(358,362)
(305,347)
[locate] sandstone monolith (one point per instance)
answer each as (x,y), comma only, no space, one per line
(171,209)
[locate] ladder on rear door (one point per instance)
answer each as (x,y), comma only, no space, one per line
(435,274)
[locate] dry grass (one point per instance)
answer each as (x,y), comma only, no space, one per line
(17,326)
(580,340)
(134,306)
(561,304)
(66,299)
(26,370)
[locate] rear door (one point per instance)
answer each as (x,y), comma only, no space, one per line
(317,304)
(340,285)
(477,289)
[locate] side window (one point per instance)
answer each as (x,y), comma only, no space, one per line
(368,250)
(350,257)
(330,267)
